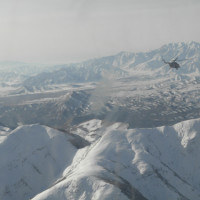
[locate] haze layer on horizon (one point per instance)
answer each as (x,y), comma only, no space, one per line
(61,31)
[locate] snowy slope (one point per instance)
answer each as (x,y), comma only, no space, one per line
(32,157)
(158,163)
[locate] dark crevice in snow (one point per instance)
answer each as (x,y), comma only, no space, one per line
(175,174)
(125,187)
(76,140)
(170,186)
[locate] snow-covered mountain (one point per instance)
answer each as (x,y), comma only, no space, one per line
(134,88)
(124,64)
(36,77)
(89,71)
(117,163)
(122,127)
(32,158)
(139,101)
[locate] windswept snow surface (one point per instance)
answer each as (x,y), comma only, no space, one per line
(154,164)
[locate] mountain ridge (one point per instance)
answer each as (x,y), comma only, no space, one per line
(123,64)
(120,163)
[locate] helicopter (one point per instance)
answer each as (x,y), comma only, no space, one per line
(173,63)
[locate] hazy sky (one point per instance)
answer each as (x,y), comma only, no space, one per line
(61,31)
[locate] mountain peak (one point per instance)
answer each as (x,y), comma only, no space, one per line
(189,44)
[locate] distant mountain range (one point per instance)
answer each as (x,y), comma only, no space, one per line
(124,64)
(134,88)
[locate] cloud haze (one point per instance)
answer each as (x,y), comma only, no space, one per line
(59,31)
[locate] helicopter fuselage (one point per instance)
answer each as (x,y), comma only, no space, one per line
(174,65)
